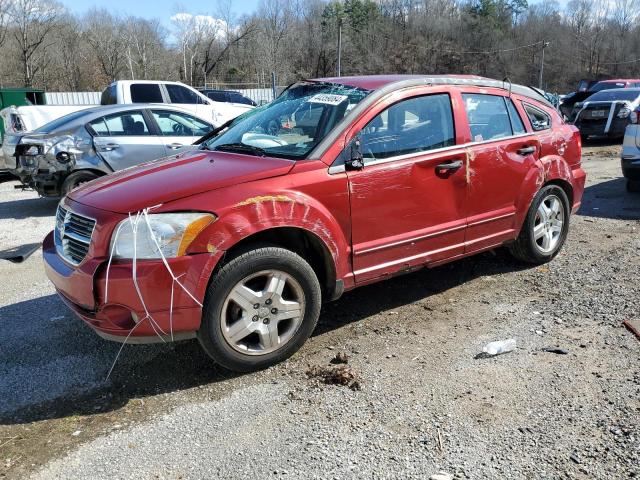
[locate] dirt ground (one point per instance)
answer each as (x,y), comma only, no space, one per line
(423,401)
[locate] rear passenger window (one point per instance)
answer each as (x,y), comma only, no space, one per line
(414,125)
(146,93)
(129,124)
(539,120)
(516,122)
(488,117)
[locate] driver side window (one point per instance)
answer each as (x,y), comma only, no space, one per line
(413,125)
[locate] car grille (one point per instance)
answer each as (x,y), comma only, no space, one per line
(72,235)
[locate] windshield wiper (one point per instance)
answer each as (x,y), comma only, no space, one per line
(241,147)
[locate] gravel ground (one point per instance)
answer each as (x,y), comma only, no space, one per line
(427,402)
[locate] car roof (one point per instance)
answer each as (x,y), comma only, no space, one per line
(389,83)
(102,110)
(620,80)
(618,90)
(374,82)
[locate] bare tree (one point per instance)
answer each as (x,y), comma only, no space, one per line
(4,18)
(32,22)
(103,33)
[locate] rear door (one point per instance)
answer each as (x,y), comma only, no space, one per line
(408,201)
(179,130)
(500,156)
(126,138)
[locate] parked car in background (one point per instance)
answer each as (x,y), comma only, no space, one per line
(174,93)
(586,88)
(607,113)
(631,153)
(227,96)
(339,182)
(23,109)
(84,145)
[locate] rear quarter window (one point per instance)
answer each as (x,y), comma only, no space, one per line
(109,96)
(539,119)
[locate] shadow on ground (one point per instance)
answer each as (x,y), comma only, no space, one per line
(28,208)
(610,199)
(56,366)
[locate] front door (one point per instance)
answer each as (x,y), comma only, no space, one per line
(125,139)
(408,203)
(179,130)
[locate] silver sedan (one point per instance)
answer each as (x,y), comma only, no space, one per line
(84,145)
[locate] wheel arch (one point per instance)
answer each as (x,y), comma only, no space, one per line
(550,170)
(299,240)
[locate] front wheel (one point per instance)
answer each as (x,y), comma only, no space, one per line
(545,227)
(76,179)
(259,309)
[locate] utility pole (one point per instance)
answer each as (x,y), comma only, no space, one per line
(544,45)
(338,67)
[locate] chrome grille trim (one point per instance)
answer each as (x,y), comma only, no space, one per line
(72,235)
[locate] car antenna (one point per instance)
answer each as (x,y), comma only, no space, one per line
(507,79)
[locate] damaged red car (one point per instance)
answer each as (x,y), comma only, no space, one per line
(338,183)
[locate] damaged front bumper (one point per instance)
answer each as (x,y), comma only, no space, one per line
(122,316)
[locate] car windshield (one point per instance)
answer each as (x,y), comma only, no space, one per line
(293,124)
(618,94)
(59,122)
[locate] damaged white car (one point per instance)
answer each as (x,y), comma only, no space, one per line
(84,145)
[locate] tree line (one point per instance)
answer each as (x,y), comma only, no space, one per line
(44,45)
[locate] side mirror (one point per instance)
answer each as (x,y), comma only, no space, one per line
(355,160)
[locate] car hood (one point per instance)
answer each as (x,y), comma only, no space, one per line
(172,178)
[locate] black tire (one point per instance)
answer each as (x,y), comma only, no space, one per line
(525,247)
(75,180)
(633,186)
(235,270)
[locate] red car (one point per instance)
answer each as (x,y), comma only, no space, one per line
(338,183)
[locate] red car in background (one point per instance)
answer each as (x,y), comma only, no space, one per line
(338,183)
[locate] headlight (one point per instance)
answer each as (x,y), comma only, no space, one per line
(171,232)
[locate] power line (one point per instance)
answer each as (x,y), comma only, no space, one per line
(489,52)
(619,63)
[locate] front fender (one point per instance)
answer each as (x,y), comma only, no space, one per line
(285,208)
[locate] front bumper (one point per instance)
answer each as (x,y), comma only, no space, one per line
(120,312)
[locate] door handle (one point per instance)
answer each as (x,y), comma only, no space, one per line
(449,166)
(175,146)
(526,150)
(108,147)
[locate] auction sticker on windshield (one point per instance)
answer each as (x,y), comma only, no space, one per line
(328,98)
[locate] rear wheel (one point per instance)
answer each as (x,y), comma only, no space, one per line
(259,309)
(76,179)
(545,228)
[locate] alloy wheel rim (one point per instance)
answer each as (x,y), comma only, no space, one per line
(548,224)
(262,312)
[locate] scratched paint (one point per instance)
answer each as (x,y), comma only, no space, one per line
(264,198)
